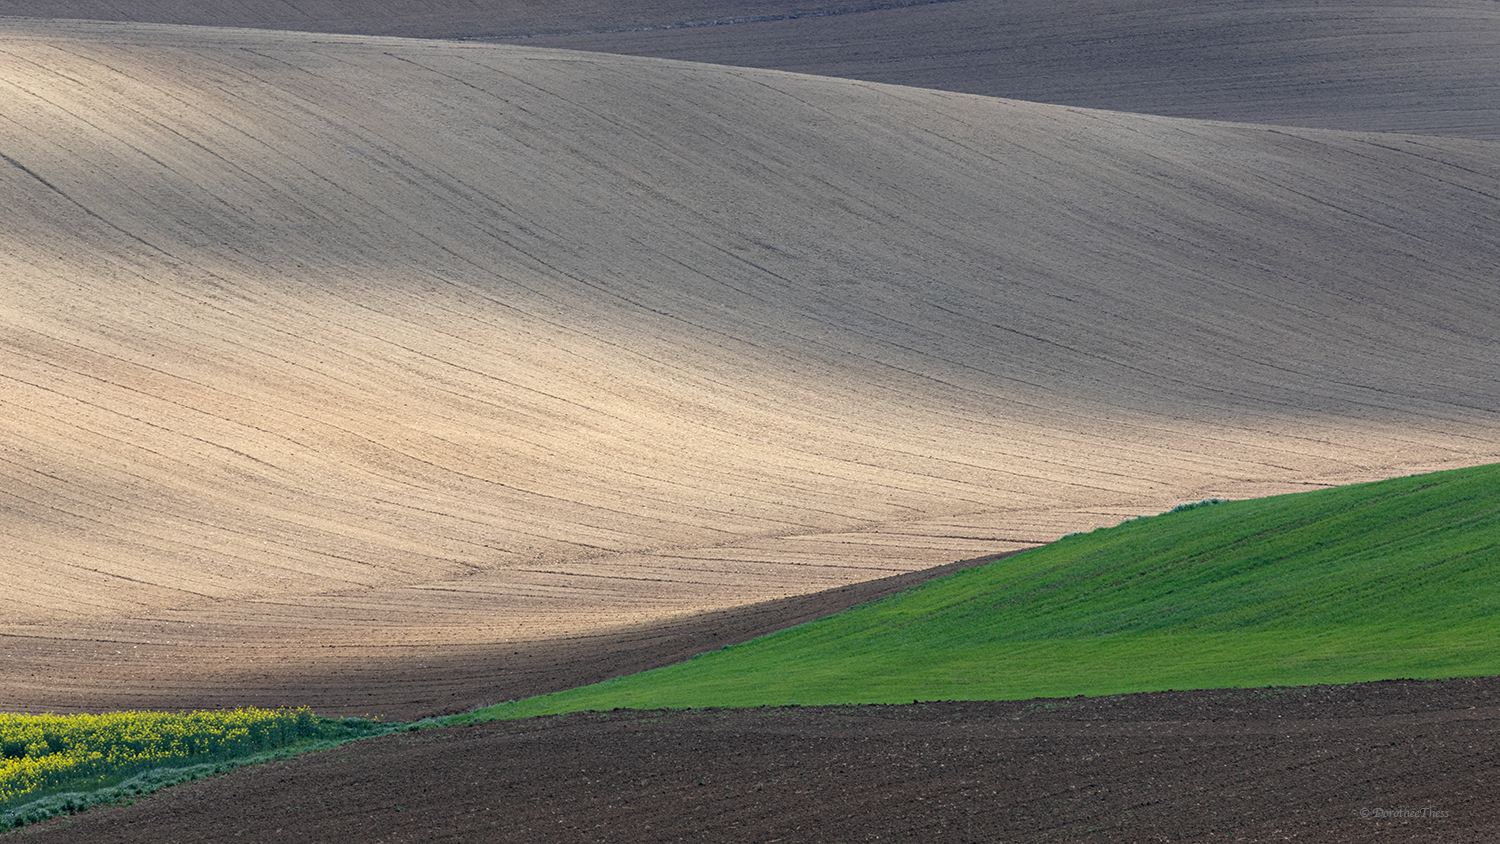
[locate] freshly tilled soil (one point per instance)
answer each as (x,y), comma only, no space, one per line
(403,686)
(1398,760)
(850,331)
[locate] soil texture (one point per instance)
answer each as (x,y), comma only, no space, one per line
(396,377)
(324,354)
(1391,761)
(409,684)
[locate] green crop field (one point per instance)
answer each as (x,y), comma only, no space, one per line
(1393,579)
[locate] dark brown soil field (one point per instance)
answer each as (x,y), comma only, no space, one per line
(1392,761)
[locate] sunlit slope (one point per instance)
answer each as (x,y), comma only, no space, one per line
(1394,579)
(328,333)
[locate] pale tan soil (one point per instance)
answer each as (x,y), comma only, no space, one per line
(382,346)
(399,377)
(242,661)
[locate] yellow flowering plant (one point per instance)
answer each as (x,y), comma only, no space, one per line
(43,753)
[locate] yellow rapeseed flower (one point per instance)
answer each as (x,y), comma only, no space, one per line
(44,753)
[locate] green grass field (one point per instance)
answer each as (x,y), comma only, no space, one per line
(1394,579)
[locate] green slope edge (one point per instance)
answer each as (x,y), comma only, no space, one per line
(1385,580)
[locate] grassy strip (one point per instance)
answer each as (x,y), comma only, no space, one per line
(55,764)
(1394,579)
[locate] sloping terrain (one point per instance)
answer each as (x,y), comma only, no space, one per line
(399,377)
(419,18)
(1429,66)
(348,351)
(1424,66)
(1394,578)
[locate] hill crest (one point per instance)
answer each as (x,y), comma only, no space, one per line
(405,344)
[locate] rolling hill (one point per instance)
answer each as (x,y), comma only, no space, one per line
(1391,579)
(394,376)
(339,354)
(1373,65)
(1423,66)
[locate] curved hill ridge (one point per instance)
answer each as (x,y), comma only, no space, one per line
(1429,67)
(419,18)
(389,345)
(1422,66)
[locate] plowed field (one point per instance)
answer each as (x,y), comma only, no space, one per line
(1401,761)
(396,376)
(1423,66)
(331,349)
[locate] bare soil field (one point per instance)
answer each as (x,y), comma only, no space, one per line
(406,683)
(1391,761)
(334,353)
(423,18)
(397,377)
(1428,67)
